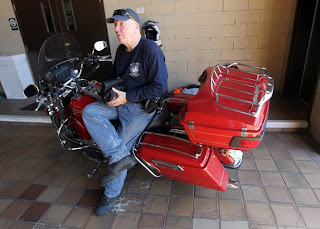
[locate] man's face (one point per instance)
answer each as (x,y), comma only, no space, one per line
(125,30)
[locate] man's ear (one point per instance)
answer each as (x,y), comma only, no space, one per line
(137,26)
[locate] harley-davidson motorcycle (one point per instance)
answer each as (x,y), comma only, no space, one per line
(192,137)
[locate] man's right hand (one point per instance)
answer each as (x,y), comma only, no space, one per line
(119,99)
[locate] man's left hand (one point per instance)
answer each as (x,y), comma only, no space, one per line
(119,99)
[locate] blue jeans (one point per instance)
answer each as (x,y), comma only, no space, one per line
(115,144)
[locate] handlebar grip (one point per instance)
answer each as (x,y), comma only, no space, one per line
(107,85)
(96,59)
(111,83)
(104,58)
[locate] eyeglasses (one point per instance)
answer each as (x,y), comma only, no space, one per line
(123,12)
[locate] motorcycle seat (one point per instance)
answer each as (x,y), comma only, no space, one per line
(160,118)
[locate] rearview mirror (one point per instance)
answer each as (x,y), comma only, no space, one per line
(100,45)
(31,90)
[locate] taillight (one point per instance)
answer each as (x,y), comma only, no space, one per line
(246,142)
(249,144)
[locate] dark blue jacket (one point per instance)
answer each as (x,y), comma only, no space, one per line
(143,70)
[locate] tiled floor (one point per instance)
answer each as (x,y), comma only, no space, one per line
(44,186)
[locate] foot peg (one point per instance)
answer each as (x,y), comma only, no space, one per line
(232,184)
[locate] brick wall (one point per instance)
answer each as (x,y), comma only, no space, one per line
(199,33)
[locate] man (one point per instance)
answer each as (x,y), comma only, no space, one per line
(140,63)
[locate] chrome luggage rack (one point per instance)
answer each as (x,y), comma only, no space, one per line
(239,90)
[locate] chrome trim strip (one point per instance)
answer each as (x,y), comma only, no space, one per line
(198,154)
(167,135)
(179,100)
(173,150)
(178,131)
(169,165)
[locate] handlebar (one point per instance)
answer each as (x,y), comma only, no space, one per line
(106,88)
(104,58)
(90,60)
(96,59)
(107,85)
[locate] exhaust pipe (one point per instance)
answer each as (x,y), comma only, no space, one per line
(232,184)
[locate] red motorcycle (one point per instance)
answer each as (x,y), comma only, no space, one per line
(191,138)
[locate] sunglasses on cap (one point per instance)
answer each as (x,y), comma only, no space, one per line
(123,12)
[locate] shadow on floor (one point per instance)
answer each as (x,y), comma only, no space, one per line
(282,108)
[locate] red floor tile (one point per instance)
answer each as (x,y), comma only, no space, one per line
(32,192)
(15,190)
(15,209)
(35,212)
(151,221)
(90,198)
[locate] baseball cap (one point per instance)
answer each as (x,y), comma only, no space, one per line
(123,15)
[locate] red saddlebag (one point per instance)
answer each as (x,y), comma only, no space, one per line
(179,159)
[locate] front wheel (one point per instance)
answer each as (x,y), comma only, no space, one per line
(56,121)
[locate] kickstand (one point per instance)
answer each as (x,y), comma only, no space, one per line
(94,171)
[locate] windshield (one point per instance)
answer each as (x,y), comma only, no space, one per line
(56,49)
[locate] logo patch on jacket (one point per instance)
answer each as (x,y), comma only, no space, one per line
(134,69)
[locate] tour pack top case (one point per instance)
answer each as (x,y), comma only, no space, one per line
(231,108)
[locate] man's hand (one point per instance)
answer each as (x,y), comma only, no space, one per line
(119,99)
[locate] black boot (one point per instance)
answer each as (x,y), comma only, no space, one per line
(106,204)
(116,168)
